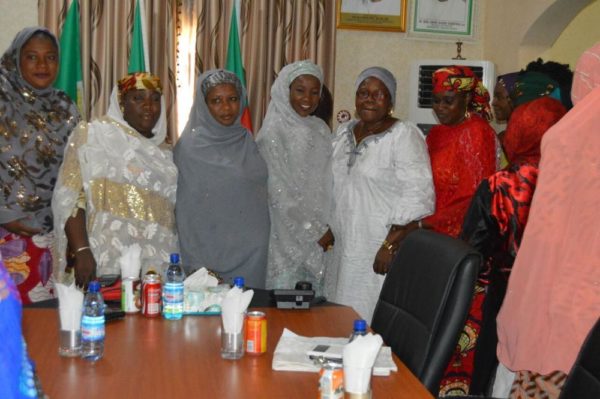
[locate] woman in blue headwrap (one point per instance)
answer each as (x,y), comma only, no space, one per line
(16,370)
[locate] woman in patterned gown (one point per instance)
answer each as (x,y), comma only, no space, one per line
(35,122)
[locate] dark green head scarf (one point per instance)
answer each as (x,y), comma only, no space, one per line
(532,85)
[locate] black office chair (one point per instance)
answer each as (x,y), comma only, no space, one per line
(425,300)
(583,381)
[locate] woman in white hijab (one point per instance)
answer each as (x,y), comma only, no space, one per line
(117,185)
(297,149)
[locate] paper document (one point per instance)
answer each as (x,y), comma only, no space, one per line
(291,354)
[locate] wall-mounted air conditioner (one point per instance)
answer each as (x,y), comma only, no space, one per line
(420,110)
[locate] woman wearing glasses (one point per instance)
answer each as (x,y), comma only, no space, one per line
(382,187)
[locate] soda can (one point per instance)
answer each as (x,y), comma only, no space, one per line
(256,333)
(130,295)
(331,381)
(151,295)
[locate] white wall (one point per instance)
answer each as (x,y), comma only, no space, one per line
(14,16)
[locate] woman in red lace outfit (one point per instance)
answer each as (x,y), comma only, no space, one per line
(462,148)
(494,225)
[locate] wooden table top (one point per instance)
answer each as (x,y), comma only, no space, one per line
(158,358)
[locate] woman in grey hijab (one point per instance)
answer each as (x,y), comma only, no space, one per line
(221,212)
(35,122)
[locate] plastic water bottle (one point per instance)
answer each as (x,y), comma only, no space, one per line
(360,328)
(173,290)
(92,324)
(239,282)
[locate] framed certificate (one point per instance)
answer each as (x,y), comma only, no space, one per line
(385,15)
(443,17)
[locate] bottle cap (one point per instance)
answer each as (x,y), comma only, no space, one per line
(360,325)
(174,258)
(94,286)
(238,282)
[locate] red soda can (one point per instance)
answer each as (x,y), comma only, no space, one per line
(151,295)
(256,333)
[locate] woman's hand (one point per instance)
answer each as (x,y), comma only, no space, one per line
(83,258)
(19,228)
(85,267)
(383,261)
(326,242)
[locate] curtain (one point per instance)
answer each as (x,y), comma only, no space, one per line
(273,34)
(106,27)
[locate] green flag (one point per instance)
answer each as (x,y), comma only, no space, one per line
(138,60)
(70,78)
(235,64)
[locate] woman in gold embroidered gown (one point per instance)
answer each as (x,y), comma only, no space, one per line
(117,185)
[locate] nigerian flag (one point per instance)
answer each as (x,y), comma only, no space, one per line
(138,56)
(70,78)
(235,64)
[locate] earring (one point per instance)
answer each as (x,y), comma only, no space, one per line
(391,112)
(467,114)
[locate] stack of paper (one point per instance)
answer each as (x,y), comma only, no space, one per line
(291,354)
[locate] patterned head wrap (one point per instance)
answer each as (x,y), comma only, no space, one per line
(304,67)
(139,81)
(219,77)
(526,127)
(382,74)
(532,85)
(587,73)
(508,80)
(461,79)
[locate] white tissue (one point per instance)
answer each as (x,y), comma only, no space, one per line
(359,357)
(129,261)
(200,280)
(233,307)
(70,305)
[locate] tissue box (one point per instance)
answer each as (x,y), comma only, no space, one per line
(206,301)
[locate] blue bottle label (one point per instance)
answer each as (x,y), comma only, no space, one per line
(92,328)
(173,298)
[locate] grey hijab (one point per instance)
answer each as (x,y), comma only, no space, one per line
(222,215)
(34,128)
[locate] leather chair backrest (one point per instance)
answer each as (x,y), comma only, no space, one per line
(425,300)
(583,381)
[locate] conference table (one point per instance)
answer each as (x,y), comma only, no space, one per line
(158,358)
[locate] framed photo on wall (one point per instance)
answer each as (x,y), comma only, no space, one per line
(443,17)
(385,15)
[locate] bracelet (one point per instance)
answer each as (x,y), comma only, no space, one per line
(81,249)
(388,246)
